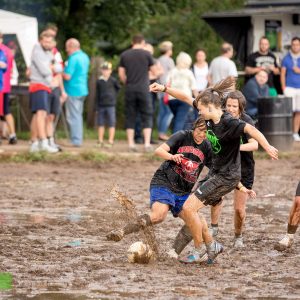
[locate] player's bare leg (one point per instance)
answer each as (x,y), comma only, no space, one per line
(215,213)
(293,222)
(196,226)
(240,199)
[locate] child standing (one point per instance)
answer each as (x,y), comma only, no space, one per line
(106,99)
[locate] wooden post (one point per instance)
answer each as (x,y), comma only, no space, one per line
(90,101)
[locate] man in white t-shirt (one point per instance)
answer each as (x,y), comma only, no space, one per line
(222,66)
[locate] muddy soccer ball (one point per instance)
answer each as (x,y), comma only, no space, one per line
(140,253)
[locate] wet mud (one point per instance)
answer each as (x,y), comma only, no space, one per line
(54,219)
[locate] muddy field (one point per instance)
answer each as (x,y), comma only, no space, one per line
(54,218)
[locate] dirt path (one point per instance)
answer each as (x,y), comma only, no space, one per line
(53,221)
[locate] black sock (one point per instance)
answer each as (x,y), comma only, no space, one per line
(291,229)
(182,239)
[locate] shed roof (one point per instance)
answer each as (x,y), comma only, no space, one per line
(251,11)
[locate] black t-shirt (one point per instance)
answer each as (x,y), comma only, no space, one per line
(136,63)
(180,178)
(257,59)
(106,92)
(247,161)
(225,142)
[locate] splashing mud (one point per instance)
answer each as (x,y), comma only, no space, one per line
(131,214)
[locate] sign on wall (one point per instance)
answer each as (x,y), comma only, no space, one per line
(273,32)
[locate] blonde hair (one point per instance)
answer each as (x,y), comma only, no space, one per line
(183,61)
(165,46)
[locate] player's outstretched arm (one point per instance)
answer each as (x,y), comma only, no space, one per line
(257,135)
(156,87)
(252,145)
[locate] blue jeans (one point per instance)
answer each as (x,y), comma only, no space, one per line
(74,109)
(180,111)
(165,116)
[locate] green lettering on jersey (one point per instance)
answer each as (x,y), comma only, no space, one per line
(216,147)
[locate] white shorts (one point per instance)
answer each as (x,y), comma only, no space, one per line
(295,95)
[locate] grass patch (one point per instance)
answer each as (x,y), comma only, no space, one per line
(95,156)
(26,157)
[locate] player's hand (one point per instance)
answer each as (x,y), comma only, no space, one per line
(156,87)
(3,65)
(63,97)
(251,193)
(177,158)
(296,70)
(273,152)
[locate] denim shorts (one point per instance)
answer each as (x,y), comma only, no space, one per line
(165,196)
(54,101)
(6,106)
(39,101)
(106,116)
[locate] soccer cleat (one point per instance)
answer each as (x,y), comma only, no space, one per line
(213,250)
(172,254)
(194,258)
(238,242)
(285,243)
(214,231)
(115,235)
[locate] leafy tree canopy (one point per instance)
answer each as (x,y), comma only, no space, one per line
(106,26)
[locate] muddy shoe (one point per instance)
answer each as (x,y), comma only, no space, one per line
(172,254)
(195,257)
(284,243)
(115,235)
(238,242)
(213,250)
(214,231)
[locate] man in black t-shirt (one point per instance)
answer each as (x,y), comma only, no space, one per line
(263,59)
(134,67)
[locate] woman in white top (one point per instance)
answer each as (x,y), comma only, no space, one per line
(182,78)
(200,70)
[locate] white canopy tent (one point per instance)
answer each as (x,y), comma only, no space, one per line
(25,28)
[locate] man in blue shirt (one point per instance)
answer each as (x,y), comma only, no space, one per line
(254,88)
(76,86)
(290,82)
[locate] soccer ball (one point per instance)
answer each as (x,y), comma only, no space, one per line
(140,253)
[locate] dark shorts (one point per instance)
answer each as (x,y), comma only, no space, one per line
(138,103)
(54,101)
(39,101)
(214,187)
(6,106)
(106,116)
(165,196)
(247,178)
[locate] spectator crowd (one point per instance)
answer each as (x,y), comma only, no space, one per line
(54,83)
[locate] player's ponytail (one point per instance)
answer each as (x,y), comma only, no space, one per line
(215,94)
